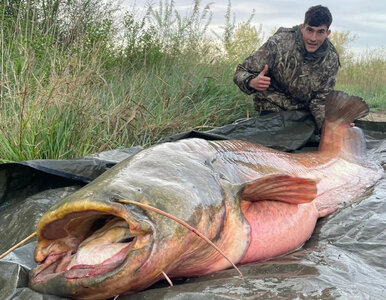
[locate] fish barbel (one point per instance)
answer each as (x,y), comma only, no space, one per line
(252,202)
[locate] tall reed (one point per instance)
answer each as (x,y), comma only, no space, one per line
(73,82)
(365,76)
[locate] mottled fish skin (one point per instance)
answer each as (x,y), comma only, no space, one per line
(253,202)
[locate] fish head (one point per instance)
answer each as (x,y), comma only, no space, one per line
(92,247)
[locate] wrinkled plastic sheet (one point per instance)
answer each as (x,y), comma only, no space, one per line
(285,131)
(345,258)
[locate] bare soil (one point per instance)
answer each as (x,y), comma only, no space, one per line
(379,116)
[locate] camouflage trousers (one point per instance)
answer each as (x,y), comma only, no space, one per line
(277,101)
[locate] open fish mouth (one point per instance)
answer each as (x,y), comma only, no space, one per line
(90,243)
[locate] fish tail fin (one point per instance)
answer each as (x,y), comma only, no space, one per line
(338,135)
(343,108)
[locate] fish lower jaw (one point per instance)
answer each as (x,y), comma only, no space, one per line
(99,244)
(77,281)
(66,265)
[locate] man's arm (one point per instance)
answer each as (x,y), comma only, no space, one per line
(317,104)
(317,108)
(254,66)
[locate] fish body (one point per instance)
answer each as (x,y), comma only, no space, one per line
(252,202)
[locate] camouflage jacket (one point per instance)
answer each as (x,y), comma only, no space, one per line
(299,80)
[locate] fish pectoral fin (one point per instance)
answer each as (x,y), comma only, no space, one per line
(285,188)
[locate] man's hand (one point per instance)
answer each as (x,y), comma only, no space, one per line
(261,82)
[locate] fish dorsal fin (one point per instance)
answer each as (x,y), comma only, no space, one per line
(285,188)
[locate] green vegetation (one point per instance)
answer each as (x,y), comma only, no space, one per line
(365,76)
(79,77)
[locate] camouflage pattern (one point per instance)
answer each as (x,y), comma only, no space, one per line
(299,80)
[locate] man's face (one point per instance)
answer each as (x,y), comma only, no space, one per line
(314,37)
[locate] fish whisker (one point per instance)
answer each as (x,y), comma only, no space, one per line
(167,278)
(18,245)
(199,234)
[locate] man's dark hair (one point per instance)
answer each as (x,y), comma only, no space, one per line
(318,16)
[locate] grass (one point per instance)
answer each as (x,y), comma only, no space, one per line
(78,110)
(365,76)
(60,100)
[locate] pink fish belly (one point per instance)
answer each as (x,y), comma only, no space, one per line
(277,228)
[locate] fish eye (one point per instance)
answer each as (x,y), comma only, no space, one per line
(115,198)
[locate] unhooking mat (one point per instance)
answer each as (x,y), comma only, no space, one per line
(345,258)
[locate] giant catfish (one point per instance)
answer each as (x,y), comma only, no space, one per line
(252,202)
